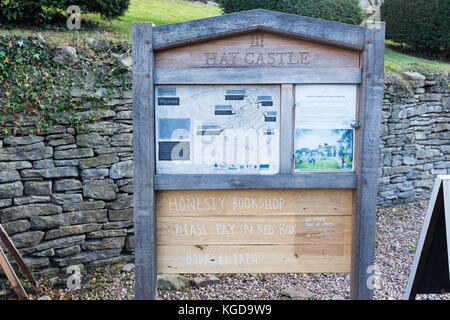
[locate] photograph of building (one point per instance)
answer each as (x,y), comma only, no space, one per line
(323,149)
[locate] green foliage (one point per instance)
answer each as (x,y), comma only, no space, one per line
(29,85)
(423,25)
(35,91)
(345,11)
(108,9)
(35,12)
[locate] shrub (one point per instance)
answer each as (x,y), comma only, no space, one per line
(26,12)
(423,25)
(345,11)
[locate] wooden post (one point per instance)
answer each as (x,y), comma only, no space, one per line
(287,118)
(144,161)
(371,95)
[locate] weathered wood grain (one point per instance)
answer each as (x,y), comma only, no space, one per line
(296,26)
(287,129)
(253,258)
(240,203)
(282,181)
(144,161)
(372,61)
(263,75)
(248,230)
(255,50)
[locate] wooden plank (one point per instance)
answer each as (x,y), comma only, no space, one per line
(17,257)
(287,128)
(263,75)
(12,277)
(309,202)
(296,26)
(144,161)
(372,61)
(253,258)
(228,181)
(254,230)
(255,50)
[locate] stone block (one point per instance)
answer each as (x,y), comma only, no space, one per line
(51,173)
(91,140)
(44,164)
(99,189)
(89,205)
(12,189)
(74,153)
(67,185)
(65,231)
(9,176)
(65,198)
(120,215)
(101,160)
(68,218)
(86,256)
(61,242)
(38,188)
(16,226)
(105,243)
(29,211)
(27,239)
(121,170)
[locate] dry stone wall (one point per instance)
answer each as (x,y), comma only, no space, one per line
(415,137)
(66,196)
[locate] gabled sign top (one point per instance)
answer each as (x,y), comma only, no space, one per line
(329,32)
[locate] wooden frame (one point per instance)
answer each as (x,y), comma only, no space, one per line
(438,212)
(368,42)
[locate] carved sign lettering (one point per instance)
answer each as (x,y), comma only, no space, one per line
(257,55)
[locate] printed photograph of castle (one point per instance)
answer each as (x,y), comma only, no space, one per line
(323,149)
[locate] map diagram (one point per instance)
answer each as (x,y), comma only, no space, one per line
(217,129)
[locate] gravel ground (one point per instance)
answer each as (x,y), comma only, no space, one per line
(398,229)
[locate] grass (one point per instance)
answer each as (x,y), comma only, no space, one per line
(395,62)
(159,12)
(171,11)
(327,164)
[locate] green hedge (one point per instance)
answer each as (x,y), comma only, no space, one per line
(345,11)
(34,12)
(422,25)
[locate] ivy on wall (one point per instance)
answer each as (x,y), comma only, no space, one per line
(36,89)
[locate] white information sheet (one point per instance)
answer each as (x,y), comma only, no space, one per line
(323,137)
(217,129)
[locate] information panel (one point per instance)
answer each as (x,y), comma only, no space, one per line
(323,137)
(254,230)
(217,129)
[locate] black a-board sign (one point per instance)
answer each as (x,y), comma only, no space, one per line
(430,272)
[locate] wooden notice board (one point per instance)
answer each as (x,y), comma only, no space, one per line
(254,230)
(256,146)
